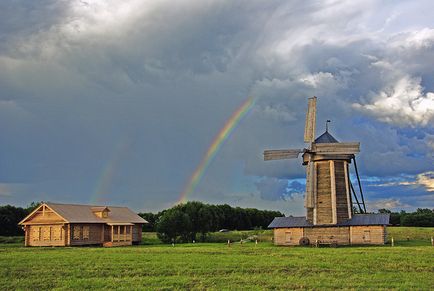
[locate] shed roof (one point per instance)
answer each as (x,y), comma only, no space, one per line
(356,220)
(326,137)
(74,213)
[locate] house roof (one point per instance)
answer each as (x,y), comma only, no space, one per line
(326,137)
(74,213)
(356,220)
(100,208)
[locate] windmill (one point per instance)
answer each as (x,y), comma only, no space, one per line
(328,186)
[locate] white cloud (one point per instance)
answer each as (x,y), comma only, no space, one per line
(425,180)
(390,203)
(402,103)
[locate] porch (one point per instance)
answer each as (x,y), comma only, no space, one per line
(121,234)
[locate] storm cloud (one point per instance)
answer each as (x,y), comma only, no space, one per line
(118,101)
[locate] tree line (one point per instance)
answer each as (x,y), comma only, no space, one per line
(193,220)
(421,217)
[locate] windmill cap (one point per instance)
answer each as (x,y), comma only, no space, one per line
(326,137)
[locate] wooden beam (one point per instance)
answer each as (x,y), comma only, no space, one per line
(281,154)
(112,234)
(347,190)
(333,191)
(342,148)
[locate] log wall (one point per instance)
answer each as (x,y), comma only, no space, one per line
(370,234)
(339,235)
(86,234)
(341,192)
(342,235)
(288,236)
(137,233)
(45,235)
(324,203)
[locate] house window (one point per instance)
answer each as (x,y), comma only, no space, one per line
(85,232)
(367,236)
(288,236)
(76,232)
(56,233)
(104,214)
(36,233)
(46,232)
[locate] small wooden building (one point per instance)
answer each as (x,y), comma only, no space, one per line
(53,224)
(360,229)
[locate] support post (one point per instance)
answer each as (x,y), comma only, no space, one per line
(112,238)
(360,185)
(347,190)
(315,194)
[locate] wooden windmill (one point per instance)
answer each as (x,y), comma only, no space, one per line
(328,197)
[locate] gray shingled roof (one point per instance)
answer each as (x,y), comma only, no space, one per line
(74,213)
(368,219)
(289,222)
(357,219)
(326,137)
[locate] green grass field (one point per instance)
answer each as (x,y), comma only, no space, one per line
(408,265)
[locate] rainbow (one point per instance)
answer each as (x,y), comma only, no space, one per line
(215,146)
(108,172)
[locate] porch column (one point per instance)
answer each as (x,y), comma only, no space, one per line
(112,234)
(131,233)
(119,233)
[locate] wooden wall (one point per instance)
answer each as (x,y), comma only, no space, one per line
(371,234)
(343,235)
(341,192)
(45,235)
(137,233)
(340,235)
(86,233)
(45,215)
(324,204)
(288,236)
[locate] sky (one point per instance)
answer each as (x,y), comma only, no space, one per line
(119,102)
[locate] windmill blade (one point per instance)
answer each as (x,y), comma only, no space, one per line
(309,129)
(342,148)
(281,154)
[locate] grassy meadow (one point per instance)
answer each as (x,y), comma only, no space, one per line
(408,265)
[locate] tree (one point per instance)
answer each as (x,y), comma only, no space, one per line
(174,226)
(10,216)
(205,221)
(151,218)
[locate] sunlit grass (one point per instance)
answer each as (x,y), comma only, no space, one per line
(217,266)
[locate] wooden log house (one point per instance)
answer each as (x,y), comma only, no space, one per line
(52,224)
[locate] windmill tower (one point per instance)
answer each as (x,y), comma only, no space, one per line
(328,199)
